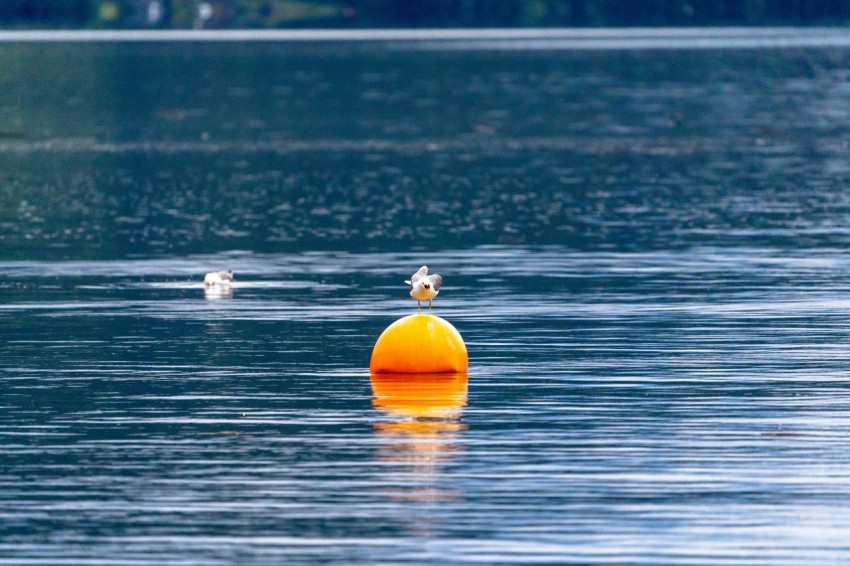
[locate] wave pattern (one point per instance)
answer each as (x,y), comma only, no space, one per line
(644,249)
(658,407)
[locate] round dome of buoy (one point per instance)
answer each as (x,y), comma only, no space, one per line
(419,343)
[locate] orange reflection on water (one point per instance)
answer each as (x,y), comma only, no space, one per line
(421,430)
(421,403)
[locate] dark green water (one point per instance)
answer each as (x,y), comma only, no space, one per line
(644,250)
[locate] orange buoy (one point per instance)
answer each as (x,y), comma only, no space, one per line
(419,343)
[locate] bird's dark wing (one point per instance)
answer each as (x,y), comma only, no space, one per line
(436,281)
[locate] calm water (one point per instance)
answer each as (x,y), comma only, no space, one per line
(644,249)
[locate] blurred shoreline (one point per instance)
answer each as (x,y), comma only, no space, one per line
(419,14)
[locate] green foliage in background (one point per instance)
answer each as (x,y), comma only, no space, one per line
(416,13)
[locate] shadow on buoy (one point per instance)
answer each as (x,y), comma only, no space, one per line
(420,344)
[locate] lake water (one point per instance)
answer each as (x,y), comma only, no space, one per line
(643,246)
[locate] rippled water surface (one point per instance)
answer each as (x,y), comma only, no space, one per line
(644,250)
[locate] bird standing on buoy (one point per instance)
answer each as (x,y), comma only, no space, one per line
(424,287)
(218,278)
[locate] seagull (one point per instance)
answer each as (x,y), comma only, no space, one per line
(424,287)
(218,278)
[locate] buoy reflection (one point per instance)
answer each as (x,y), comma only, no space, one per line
(421,403)
(421,431)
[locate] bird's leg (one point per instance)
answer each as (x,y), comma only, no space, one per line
(419,306)
(429,304)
